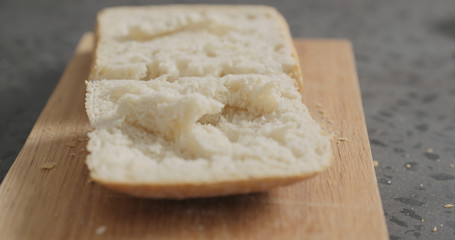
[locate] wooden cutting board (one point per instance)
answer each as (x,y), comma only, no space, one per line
(61,203)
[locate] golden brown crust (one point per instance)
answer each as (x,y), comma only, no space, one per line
(205,189)
(93,65)
(198,190)
(290,43)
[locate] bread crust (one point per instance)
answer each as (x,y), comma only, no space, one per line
(93,65)
(205,189)
(199,190)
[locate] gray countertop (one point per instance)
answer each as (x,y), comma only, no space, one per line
(405,54)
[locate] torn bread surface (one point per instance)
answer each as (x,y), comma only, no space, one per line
(143,43)
(202,131)
(197,101)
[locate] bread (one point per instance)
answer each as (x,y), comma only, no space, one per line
(197,109)
(145,42)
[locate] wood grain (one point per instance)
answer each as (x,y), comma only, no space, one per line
(59,203)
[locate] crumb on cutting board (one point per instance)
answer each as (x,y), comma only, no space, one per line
(71,144)
(101,230)
(343,139)
(48,165)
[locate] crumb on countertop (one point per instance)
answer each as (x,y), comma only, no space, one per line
(435,229)
(375,163)
(448,205)
(389,182)
(408,165)
(48,165)
(421,220)
(452,165)
(429,150)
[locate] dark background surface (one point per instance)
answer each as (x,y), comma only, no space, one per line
(405,54)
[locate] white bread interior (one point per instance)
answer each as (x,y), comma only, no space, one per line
(198,101)
(143,43)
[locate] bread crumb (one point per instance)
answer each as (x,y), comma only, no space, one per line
(408,165)
(375,163)
(48,165)
(448,205)
(421,185)
(323,112)
(389,182)
(319,105)
(452,165)
(429,150)
(421,220)
(435,229)
(72,154)
(101,230)
(407,155)
(343,139)
(7,189)
(71,144)
(438,160)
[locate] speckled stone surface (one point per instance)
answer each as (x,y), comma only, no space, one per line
(405,53)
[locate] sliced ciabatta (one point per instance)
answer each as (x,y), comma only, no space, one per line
(145,42)
(202,132)
(197,101)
